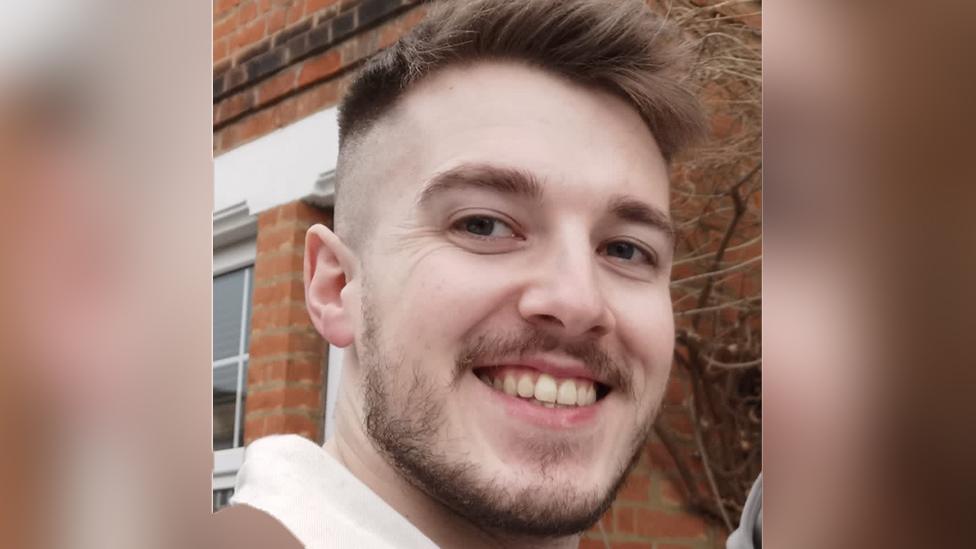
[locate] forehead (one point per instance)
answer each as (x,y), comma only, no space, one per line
(584,140)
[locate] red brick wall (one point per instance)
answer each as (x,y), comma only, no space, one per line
(270,77)
(278,61)
(286,370)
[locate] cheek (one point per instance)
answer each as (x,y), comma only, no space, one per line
(645,327)
(441,298)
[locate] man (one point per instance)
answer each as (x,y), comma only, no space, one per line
(498,276)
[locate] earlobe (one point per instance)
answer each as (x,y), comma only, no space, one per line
(328,264)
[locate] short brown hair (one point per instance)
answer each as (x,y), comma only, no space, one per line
(616,45)
(619,46)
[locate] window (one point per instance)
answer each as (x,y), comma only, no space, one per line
(235,247)
(221,497)
(232,293)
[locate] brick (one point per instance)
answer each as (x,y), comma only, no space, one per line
(371,11)
(233,106)
(284,290)
(306,370)
(320,97)
(415,16)
(319,68)
(319,37)
(276,21)
(293,368)
(218,86)
(672,492)
(624,520)
(280,235)
(677,391)
(265,400)
(673,546)
(588,543)
(359,48)
(253,51)
(287,421)
(318,5)
(295,12)
(219,50)
(637,488)
(234,78)
(306,212)
(658,455)
(222,7)
(283,315)
(254,428)
(262,374)
(389,34)
(249,128)
(276,86)
(298,46)
(678,421)
(224,28)
(291,397)
(343,24)
(292,31)
(247,35)
(286,342)
(266,63)
(301,425)
(246,13)
(267,219)
(285,113)
(655,523)
(308,397)
(220,68)
(278,263)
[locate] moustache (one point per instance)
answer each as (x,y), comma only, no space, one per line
(489,348)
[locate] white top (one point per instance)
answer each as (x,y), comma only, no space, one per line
(317,499)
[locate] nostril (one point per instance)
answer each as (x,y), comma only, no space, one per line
(549,319)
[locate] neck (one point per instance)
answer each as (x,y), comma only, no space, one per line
(351,446)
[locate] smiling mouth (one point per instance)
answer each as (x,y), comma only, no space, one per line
(542,389)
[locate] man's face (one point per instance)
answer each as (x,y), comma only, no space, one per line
(516,328)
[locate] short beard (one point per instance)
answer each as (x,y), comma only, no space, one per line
(407,438)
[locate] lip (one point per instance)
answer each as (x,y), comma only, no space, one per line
(522,410)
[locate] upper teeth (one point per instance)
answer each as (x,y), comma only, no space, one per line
(542,388)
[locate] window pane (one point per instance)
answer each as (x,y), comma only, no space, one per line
(247,315)
(242,409)
(221,498)
(224,405)
(228,290)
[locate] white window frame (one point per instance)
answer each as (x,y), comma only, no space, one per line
(235,247)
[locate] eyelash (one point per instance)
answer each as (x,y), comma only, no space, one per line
(459,226)
(651,257)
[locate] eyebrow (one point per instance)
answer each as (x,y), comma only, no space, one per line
(635,211)
(505,180)
(513,181)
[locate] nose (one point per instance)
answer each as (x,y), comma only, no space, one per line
(565,296)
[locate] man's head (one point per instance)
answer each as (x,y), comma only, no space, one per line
(503,255)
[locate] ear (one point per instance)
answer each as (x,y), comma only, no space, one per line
(328,265)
